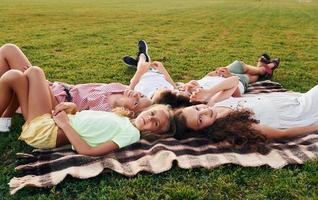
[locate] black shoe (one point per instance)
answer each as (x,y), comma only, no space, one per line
(130,61)
(143,49)
(276,62)
(269,71)
(265,58)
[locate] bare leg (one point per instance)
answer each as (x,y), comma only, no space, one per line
(13,106)
(142,59)
(11,83)
(252,70)
(142,68)
(11,57)
(39,95)
(40,99)
(253,78)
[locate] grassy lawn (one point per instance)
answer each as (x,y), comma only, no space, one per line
(78,41)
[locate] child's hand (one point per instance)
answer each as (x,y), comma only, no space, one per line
(224,72)
(157,65)
(132,94)
(190,86)
(61,119)
(68,107)
(200,95)
(25,67)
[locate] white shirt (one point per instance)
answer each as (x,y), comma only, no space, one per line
(209,81)
(151,81)
(280,110)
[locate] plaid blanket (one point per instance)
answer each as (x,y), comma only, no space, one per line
(46,168)
(264,87)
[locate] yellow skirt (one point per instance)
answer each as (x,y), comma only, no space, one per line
(41,132)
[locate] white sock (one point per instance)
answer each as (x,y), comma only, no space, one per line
(5,124)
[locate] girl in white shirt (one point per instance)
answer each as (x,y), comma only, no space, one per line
(251,120)
(153,81)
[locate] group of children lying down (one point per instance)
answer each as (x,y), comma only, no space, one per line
(99,118)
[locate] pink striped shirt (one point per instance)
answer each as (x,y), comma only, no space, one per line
(90,96)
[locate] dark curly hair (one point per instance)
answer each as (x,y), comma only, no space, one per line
(175,101)
(234,129)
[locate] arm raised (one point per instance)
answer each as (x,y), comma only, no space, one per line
(216,93)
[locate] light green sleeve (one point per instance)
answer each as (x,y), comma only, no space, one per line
(126,138)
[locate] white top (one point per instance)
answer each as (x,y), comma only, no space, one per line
(151,81)
(280,110)
(209,81)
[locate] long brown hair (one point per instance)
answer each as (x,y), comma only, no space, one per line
(234,129)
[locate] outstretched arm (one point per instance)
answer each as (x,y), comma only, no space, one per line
(216,93)
(274,133)
(79,144)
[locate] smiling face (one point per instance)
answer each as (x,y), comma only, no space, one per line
(155,119)
(199,116)
(135,101)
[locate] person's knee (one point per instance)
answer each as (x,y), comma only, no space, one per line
(12,76)
(7,48)
(34,71)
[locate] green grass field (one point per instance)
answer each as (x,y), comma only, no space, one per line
(80,41)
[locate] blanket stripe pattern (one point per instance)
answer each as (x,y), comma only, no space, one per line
(46,168)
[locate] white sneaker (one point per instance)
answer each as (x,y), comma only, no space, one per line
(5,124)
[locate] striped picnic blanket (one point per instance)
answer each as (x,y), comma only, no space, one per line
(46,168)
(264,87)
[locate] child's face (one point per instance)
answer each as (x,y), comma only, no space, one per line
(154,120)
(199,116)
(135,101)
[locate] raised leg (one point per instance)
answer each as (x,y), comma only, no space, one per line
(12,108)
(14,82)
(39,96)
(11,57)
(252,70)
(142,68)
(253,78)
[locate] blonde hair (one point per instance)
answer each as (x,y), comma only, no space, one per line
(171,129)
(124,112)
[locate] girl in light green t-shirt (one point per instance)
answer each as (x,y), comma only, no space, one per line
(90,132)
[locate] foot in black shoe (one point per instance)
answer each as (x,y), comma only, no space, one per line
(143,49)
(269,69)
(130,61)
(265,58)
(275,62)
